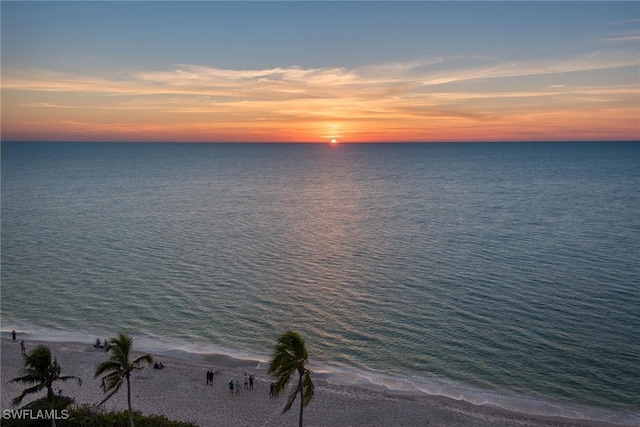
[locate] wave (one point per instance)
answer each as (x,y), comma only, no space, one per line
(400,385)
(422,387)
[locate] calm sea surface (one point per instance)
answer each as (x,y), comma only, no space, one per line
(500,273)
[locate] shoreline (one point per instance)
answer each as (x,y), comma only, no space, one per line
(179,391)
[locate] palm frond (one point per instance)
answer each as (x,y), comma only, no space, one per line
(112,380)
(39,358)
(308,387)
(146,358)
(27,379)
(120,348)
(280,385)
(113,391)
(31,390)
(291,399)
(70,377)
(107,366)
(54,369)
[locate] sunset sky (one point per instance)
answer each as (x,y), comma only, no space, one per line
(316,71)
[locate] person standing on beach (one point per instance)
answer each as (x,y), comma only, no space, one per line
(209,378)
(251,382)
(246,382)
(237,387)
(231,387)
(13,335)
(272,391)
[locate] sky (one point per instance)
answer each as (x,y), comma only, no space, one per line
(302,71)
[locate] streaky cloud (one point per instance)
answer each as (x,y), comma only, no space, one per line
(285,83)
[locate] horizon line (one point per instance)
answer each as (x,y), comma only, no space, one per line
(324,142)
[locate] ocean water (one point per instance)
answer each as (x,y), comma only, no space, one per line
(506,274)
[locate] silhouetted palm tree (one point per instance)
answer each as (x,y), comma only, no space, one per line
(289,357)
(119,368)
(40,369)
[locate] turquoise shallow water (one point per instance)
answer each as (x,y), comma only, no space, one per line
(500,273)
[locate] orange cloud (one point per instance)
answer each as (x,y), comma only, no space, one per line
(407,101)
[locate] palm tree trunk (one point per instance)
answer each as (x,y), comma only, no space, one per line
(129,402)
(50,398)
(301,399)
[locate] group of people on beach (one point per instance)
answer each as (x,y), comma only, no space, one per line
(234,387)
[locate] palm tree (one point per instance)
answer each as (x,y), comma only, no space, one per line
(40,369)
(119,368)
(289,357)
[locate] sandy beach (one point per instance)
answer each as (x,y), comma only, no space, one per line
(180,392)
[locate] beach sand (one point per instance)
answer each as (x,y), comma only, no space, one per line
(179,391)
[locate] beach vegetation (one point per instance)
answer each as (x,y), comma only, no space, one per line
(290,357)
(72,415)
(118,369)
(42,371)
(86,415)
(40,406)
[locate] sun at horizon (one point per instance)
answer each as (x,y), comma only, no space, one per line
(334,141)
